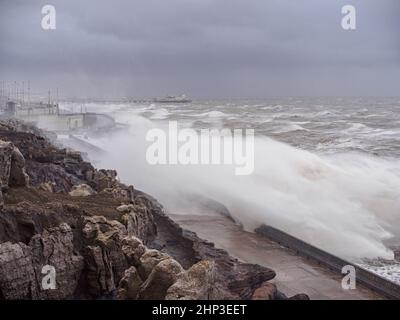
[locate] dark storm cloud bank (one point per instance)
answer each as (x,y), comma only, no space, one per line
(205,48)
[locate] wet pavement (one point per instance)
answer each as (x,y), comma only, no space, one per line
(295,274)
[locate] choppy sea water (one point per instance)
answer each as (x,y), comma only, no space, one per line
(322,125)
(327,169)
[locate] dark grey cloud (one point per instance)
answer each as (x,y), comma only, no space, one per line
(206,48)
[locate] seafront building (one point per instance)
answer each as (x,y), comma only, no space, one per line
(49,116)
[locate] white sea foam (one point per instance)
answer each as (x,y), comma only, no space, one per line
(159,114)
(323,114)
(358,128)
(213,114)
(291,127)
(386,269)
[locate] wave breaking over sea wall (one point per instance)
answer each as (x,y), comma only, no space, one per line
(346,203)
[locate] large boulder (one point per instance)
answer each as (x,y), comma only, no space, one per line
(133,250)
(194,284)
(99,273)
(300,296)
(129,285)
(267,291)
(164,274)
(149,260)
(125,208)
(12,166)
(117,263)
(55,248)
(103,179)
(105,259)
(119,192)
(82,190)
(18,176)
(17,273)
(22,266)
(138,221)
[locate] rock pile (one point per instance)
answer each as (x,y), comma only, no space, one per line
(12,168)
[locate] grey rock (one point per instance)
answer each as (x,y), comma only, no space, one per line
(129,285)
(18,176)
(149,260)
(125,208)
(105,260)
(17,273)
(21,266)
(12,166)
(54,247)
(267,291)
(164,274)
(300,296)
(133,250)
(195,284)
(138,221)
(99,274)
(82,190)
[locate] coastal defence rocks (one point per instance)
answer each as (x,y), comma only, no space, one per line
(17,275)
(21,266)
(93,259)
(267,291)
(18,176)
(163,275)
(129,285)
(12,166)
(105,259)
(113,242)
(194,284)
(82,190)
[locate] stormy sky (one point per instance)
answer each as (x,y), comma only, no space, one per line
(204,48)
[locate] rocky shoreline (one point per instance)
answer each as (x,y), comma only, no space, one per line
(104,239)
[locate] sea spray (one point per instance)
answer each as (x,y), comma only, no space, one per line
(344,203)
(208,146)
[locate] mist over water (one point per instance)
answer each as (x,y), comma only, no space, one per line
(327,173)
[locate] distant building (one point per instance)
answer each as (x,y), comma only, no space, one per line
(48,117)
